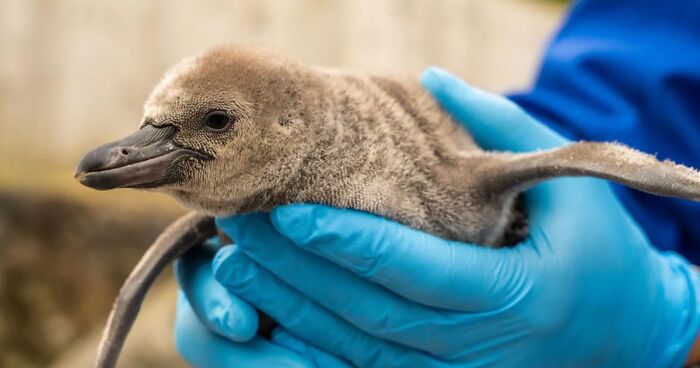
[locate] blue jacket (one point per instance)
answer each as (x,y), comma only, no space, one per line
(629,71)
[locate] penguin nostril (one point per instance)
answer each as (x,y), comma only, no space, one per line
(125,151)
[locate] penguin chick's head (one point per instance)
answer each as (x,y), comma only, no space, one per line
(218,130)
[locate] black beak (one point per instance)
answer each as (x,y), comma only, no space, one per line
(143,159)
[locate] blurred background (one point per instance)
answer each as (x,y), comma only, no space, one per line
(74,74)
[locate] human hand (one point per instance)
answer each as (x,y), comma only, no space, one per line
(584,289)
(223,334)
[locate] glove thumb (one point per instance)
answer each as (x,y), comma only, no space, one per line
(494,121)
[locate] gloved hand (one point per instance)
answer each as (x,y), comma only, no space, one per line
(584,289)
(224,335)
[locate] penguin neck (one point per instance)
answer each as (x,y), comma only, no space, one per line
(377,149)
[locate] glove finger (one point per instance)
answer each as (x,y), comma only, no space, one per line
(319,358)
(303,317)
(555,200)
(379,312)
(411,263)
(219,309)
(201,348)
(494,121)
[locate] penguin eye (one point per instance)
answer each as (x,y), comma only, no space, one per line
(217,120)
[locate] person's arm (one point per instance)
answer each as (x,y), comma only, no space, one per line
(627,71)
(586,288)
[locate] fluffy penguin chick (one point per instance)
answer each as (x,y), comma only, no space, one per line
(236,130)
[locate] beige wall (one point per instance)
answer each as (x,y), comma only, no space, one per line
(75,72)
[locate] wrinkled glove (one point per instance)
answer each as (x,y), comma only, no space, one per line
(586,288)
(223,335)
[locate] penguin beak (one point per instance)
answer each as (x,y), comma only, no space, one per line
(144,159)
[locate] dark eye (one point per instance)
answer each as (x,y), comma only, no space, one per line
(217,120)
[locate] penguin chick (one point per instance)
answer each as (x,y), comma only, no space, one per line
(238,130)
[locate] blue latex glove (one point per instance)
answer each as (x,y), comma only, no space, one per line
(586,288)
(223,333)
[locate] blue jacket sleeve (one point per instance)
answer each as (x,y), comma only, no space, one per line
(629,71)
